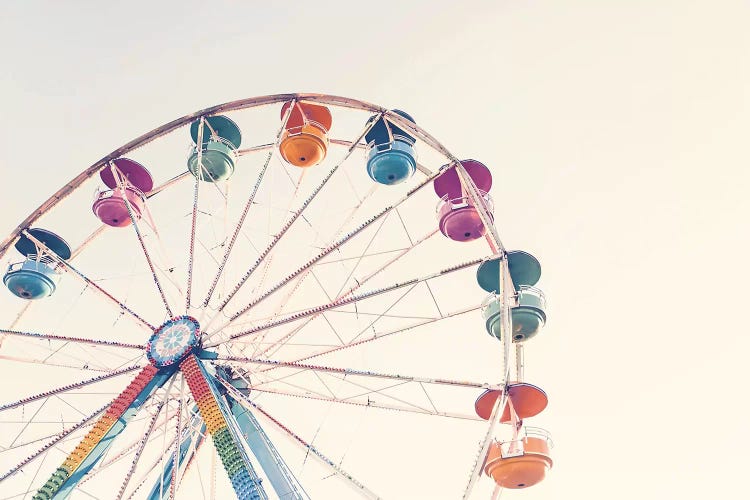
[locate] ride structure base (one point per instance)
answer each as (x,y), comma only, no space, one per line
(98,440)
(233,457)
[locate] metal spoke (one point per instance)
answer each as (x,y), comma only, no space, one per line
(100,230)
(88,281)
(364,251)
(361,373)
(49,363)
(194,215)
(367,390)
(76,340)
(191,254)
(67,388)
(248,204)
(27,424)
(349,292)
(348,300)
(33,479)
(364,256)
(196,443)
(138,453)
(285,381)
(305,273)
(295,215)
(357,485)
(163,253)
(88,357)
(325,252)
(164,441)
(176,457)
(144,477)
(381,392)
(380,315)
(15,322)
(380,335)
(52,443)
(134,222)
(308,393)
(368,404)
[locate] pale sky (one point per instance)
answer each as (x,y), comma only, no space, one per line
(616,134)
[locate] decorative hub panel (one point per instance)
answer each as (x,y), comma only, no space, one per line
(173,340)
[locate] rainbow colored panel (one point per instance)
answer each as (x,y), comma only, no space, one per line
(96,434)
(230,454)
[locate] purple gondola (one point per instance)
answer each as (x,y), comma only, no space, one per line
(459,219)
(110,205)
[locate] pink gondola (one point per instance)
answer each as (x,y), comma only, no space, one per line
(110,205)
(459,219)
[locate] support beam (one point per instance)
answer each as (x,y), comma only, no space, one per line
(218,418)
(66,388)
(360,488)
(192,438)
(98,440)
(282,480)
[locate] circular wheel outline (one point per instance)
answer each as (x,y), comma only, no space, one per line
(169,127)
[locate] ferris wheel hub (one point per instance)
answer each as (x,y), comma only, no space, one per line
(173,341)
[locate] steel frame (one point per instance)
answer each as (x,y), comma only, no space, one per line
(235,407)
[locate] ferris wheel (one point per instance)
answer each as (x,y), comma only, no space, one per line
(297,289)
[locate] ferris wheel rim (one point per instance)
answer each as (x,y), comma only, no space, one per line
(231,106)
(236,105)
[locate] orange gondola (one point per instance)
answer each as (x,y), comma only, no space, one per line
(304,142)
(522,462)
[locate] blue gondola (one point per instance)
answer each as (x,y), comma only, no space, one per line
(37,276)
(390,151)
